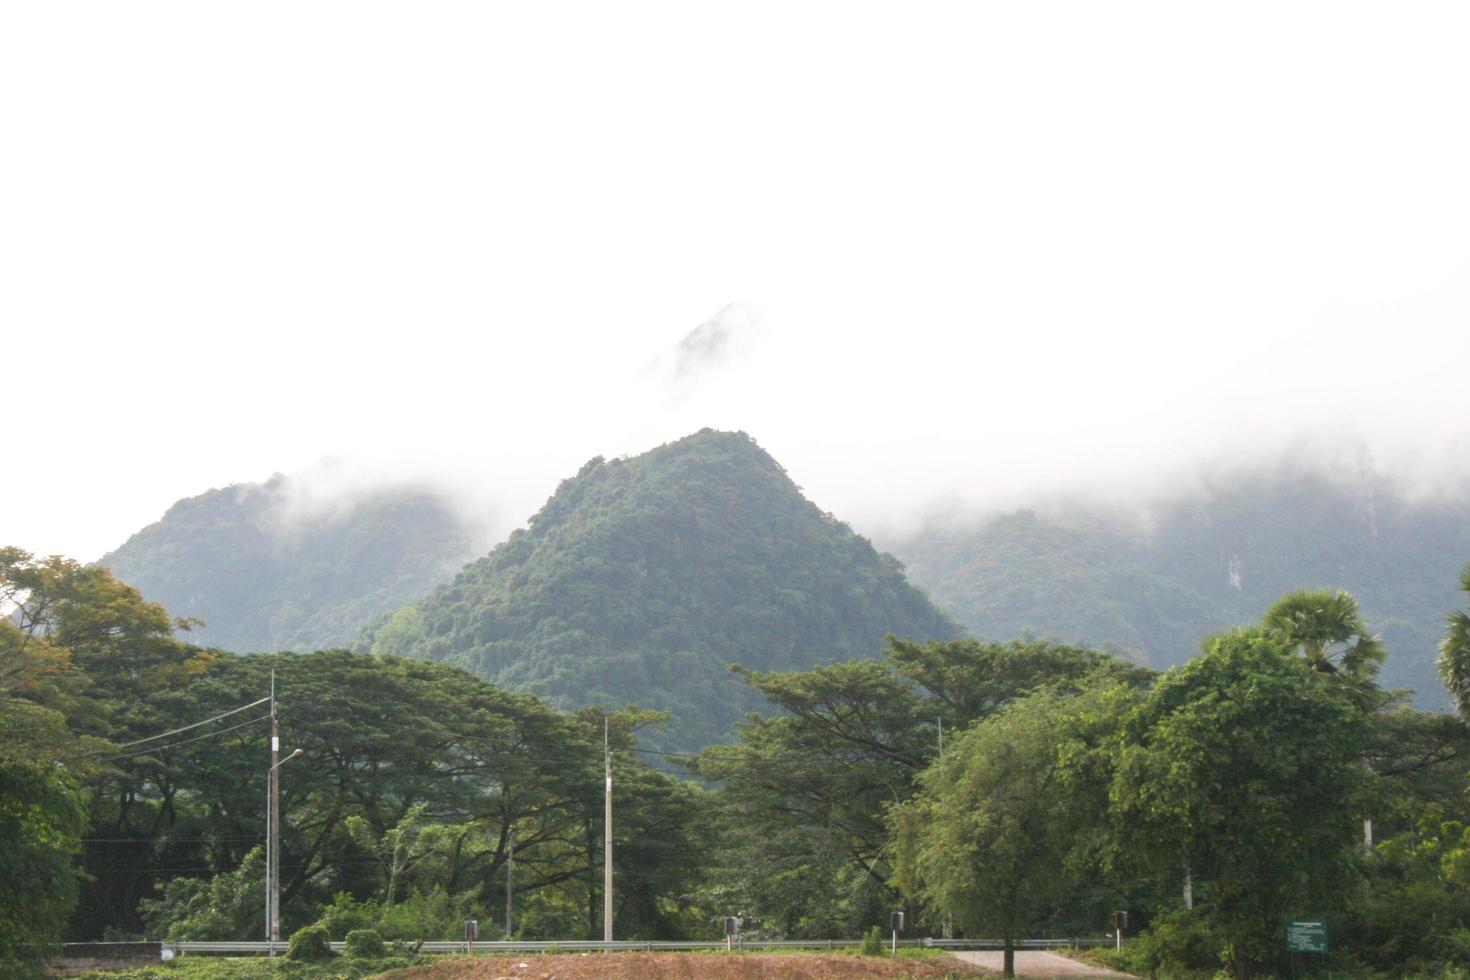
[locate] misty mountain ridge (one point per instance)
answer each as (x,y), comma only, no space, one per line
(296,562)
(1155,582)
(643,579)
(659,570)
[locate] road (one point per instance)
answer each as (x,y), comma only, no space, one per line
(1036,963)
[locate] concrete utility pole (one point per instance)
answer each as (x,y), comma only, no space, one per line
(270,824)
(273,830)
(607,841)
(948,916)
(510,870)
(274,859)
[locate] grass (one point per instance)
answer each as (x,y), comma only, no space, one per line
(259,968)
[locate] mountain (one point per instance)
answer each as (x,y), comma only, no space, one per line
(268,569)
(1208,563)
(641,580)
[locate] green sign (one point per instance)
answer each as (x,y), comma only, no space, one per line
(1308,936)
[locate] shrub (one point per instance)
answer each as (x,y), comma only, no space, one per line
(1180,943)
(436,915)
(309,944)
(872,942)
(365,943)
(345,915)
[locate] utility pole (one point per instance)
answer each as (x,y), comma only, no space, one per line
(948,916)
(510,871)
(273,856)
(607,841)
(275,747)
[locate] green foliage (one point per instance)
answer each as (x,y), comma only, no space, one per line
(263,968)
(1243,771)
(432,914)
(309,945)
(365,944)
(1179,943)
(1324,627)
(1454,653)
(872,944)
(345,914)
(56,618)
(1000,832)
(41,821)
(389,748)
(642,579)
(265,571)
(227,906)
(803,794)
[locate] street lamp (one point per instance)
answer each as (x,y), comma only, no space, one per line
(273,847)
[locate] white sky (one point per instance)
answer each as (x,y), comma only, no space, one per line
(988,250)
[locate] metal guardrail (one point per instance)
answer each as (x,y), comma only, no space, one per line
(262,948)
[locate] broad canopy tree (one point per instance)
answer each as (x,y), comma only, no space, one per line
(1243,770)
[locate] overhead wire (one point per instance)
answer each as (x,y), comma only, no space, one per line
(173,745)
(197,724)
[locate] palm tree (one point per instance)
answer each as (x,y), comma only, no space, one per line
(1454,653)
(1328,630)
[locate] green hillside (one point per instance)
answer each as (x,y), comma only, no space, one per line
(264,576)
(643,579)
(1206,564)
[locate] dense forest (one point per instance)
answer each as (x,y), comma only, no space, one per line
(643,579)
(263,572)
(1204,563)
(1008,790)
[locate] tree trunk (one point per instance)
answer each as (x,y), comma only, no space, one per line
(1008,967)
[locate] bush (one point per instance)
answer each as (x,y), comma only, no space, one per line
(1180,943)
(345,915)
(224,907)
(365,943)
(436,915)
(872,942)
(310,944)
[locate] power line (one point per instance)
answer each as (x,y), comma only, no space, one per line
(187,741)
(176,731)
(163,839)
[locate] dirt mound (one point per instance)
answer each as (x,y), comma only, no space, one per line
(687,966)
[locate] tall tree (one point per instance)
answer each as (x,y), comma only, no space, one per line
(1325,628)
(1244,772)
(1454,653)
(1004,820)
(803,792)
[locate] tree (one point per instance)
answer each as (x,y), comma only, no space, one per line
(1244,772)
(1325,627)
(803,793)
(218,909)
(1454,653)
(42,807)
(1005,820)
(41,823)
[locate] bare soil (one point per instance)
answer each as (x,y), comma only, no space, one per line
(686,966)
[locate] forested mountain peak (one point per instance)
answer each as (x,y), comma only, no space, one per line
(642,579)
(293,563)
